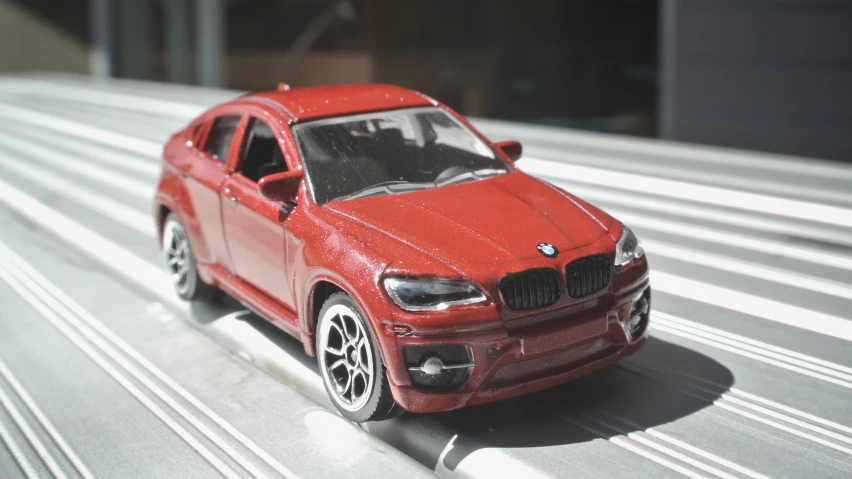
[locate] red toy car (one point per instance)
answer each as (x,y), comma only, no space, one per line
(401,246)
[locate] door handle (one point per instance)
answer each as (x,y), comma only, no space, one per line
(288,207)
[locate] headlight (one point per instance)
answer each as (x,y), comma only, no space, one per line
(628,248)
(431,294)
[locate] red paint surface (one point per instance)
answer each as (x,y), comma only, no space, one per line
(272,260)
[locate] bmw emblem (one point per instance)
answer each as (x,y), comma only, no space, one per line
(548,250)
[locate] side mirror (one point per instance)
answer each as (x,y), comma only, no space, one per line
(511,148)
(280,186)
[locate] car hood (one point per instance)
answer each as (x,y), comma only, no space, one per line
(497,220)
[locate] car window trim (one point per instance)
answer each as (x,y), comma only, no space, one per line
(294,130)
(212,121)
(196,131)
(246,137)
(236,140)
(364,116)
(202,134)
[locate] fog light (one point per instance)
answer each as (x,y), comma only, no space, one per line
(430,366)
(639,314)
(634,323)
(433,365)
(640,309)
(439,366)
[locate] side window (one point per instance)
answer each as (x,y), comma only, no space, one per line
(221,133)
(261,155)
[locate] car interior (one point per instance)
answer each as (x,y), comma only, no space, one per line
(218,141)
(262,155)
(351,156)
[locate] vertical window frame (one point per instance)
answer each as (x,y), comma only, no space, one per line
(211,123)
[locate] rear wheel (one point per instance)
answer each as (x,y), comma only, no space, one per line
(351,366)
(180,263)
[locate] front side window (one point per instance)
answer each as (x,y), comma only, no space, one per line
(391,152)
(221,133)
(261,155)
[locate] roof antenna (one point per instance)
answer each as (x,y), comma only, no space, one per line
(283,87)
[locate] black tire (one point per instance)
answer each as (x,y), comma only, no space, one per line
(378,403)
(176,249)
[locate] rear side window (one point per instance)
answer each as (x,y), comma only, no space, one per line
(221,133)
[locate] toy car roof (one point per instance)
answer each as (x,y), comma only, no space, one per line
(308,103)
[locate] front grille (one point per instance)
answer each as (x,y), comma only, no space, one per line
(531,289)
(587,276)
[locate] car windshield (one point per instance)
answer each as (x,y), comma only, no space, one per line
(391,152)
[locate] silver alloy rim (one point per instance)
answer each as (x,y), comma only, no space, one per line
(346,357)
(176,248)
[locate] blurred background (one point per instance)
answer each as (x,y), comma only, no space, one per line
(768,75)
(748,370)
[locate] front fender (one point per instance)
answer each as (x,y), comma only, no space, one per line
(343,261)
(172,196)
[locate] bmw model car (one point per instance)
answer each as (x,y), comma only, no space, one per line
(406,251)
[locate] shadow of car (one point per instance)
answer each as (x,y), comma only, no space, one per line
(660,384)
(636,394)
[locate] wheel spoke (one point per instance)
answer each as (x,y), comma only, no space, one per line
(364,353)
(337,364)
(346,387)
(354,338)
(339,331)
(336,352)
(344,324)
(364,378)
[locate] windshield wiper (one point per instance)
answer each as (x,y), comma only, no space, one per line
(384,188)
(472,175)
(397,186)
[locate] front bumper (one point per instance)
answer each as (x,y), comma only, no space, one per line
(532,356)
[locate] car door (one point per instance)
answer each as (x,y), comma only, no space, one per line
(203,178)
(255,227)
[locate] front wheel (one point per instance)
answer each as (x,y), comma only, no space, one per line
(350,363)
(180,263)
